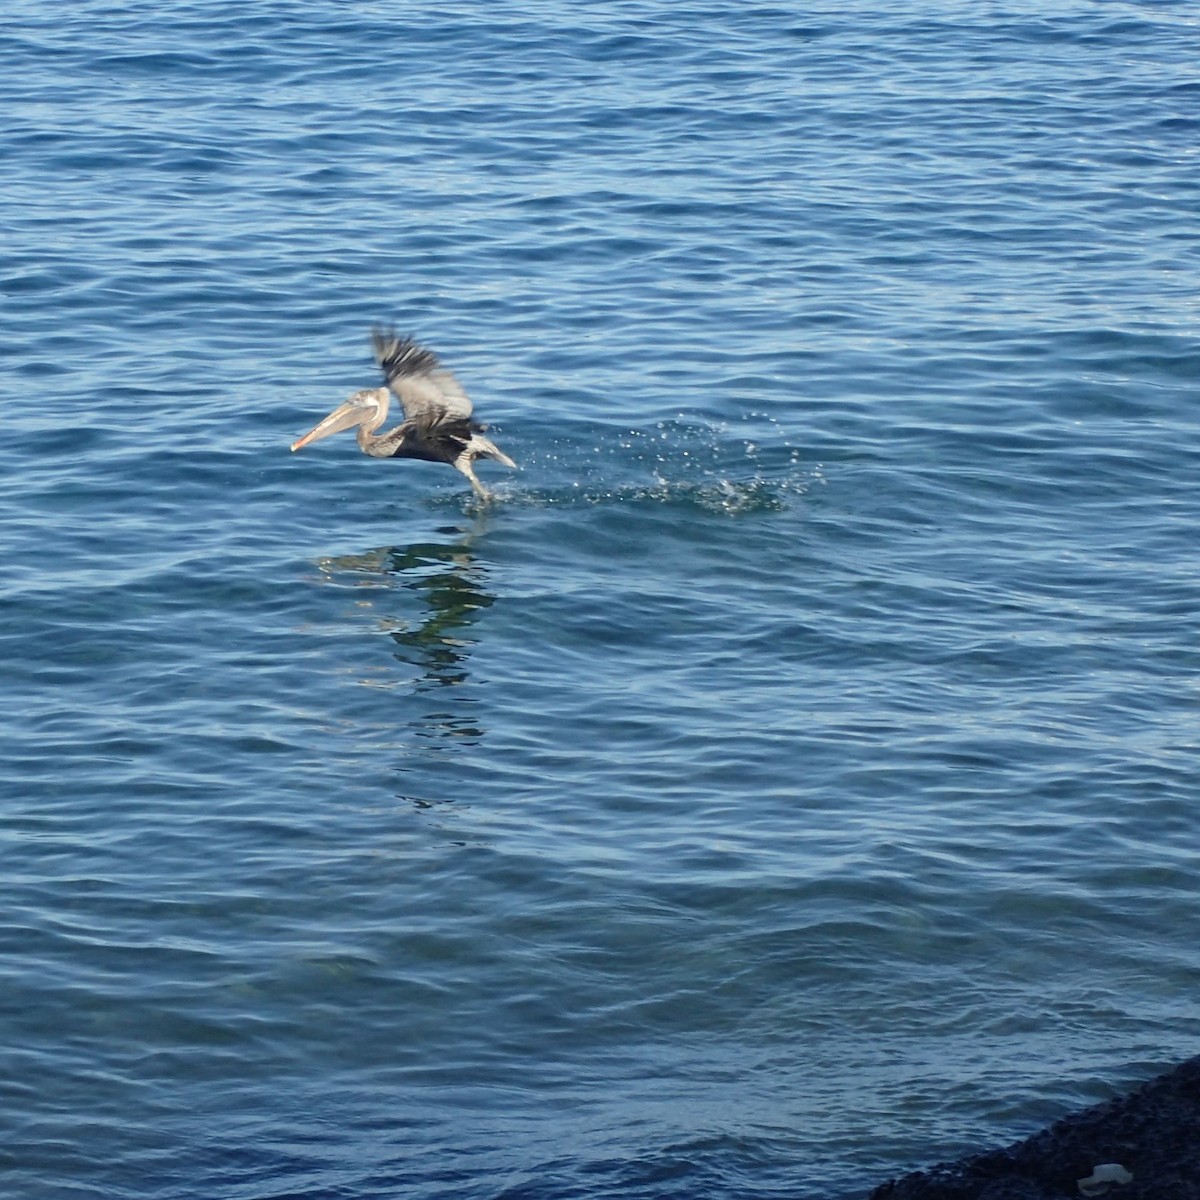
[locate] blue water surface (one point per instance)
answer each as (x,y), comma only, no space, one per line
(788,781)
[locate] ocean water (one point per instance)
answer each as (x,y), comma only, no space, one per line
(788,781)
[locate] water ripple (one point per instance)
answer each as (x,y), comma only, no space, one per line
(788,780)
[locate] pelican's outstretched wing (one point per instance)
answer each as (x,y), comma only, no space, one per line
(428,393)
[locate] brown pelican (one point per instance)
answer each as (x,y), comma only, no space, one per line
(437,425)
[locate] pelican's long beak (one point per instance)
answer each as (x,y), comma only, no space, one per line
(346,417)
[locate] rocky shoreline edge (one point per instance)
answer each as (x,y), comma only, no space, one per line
(1148,1141)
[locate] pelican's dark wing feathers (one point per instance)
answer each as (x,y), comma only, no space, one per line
(428,393)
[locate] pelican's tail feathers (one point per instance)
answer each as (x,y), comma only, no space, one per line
(481,447)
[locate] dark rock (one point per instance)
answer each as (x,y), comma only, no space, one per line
(1153,1132)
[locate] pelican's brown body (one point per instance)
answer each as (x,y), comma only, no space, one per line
(437,425)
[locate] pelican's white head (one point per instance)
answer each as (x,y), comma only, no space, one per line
(367,409)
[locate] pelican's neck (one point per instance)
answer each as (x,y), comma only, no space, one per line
(366,431)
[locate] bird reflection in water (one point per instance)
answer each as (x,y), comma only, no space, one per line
(434,590)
